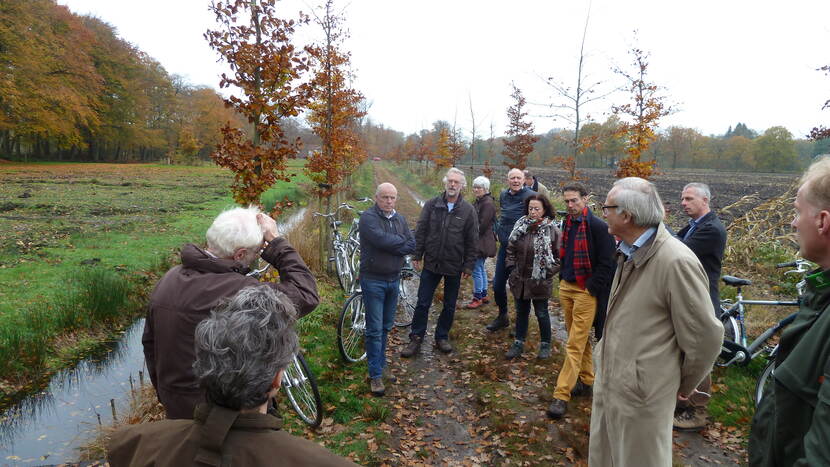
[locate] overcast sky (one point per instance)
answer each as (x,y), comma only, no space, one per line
(721,62)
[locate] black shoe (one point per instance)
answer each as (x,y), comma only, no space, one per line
(557,409)
(515,350)
(443,345)
(582,389)
(500,322)
(413,347)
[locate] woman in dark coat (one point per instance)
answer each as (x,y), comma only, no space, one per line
(533,261)
(486,247)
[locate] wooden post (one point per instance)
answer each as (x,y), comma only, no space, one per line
(112,405)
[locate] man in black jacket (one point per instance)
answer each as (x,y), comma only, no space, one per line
(445,238)
(585,278)
(706,237)
(385,239)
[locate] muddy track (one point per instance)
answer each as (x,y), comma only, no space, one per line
(473,407)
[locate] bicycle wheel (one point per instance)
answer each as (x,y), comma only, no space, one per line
(731,329)
(350,329)
(407,297)
(764,381)
(301,389)
(354,257)
(344,269)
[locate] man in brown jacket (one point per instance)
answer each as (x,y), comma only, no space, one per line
(242,351)
(187,293)
(661,337)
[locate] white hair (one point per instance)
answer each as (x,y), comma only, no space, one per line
(234,229)
(639,198)
(482,182)
(454,170)
(702,189)
(515,169)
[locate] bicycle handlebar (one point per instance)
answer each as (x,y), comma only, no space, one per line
(787,265)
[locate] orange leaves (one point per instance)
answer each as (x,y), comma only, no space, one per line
(643,113)
(267,68)
(520,138)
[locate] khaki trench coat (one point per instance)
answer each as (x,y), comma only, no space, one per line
(660,337)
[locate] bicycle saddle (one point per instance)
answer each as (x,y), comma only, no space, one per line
(735,281)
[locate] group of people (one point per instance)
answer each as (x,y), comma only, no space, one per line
(217,341)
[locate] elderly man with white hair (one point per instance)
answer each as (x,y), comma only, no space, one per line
(205,277)
(661,337)
(445,240)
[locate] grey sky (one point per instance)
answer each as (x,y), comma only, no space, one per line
(417,62)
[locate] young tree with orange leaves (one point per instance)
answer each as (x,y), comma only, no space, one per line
(640,117)
(520,139)
(335,108)
(442,157)
(267,68)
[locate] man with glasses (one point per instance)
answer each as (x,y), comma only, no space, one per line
(587,254)
(660,339)
(446,239)
(706,237)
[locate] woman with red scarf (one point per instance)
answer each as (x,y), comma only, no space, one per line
(533,261)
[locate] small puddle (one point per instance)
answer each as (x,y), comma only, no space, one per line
(48,427)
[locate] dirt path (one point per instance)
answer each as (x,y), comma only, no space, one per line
(473,407)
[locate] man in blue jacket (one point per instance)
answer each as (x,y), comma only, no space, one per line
(385,239)
(512,205)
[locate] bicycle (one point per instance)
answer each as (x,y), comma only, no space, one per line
(298,382)
(351,325)
(735,349)
(339,250)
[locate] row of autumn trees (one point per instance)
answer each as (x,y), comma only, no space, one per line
(70,89)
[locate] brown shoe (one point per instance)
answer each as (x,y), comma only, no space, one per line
(690,419)
(413,347)
(557,409)
(376,386)
(443,345)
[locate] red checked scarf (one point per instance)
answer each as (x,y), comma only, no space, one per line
(581,258)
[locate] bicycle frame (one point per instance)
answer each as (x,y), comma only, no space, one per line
(738,312)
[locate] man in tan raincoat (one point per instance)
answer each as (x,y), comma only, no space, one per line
(661,337)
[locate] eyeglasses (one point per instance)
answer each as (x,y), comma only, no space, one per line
(606,207)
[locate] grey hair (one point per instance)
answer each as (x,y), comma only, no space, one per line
(234,229)
(818,176)
(454,170)
(242,346)
(527,173)
(482,182)
(377,190)
(702,189)
(639,198)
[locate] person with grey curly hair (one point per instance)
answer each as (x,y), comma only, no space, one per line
(661,337)
(242,351)
(206,277)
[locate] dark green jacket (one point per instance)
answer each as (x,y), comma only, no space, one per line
(792,424)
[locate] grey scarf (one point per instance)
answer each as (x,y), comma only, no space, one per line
(542,253)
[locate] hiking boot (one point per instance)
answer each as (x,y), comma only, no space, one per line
(475,303)
(581,389)
(515,350)
(544,351)
(485,300)
(376,386)
(500,322)
(443,345)
(557,409)
(413,347)
(690,419)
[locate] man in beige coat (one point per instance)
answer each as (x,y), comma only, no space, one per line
(661,337)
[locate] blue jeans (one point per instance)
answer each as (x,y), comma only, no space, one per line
(479,279)
(426,290)
(380,299)
(500,281)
